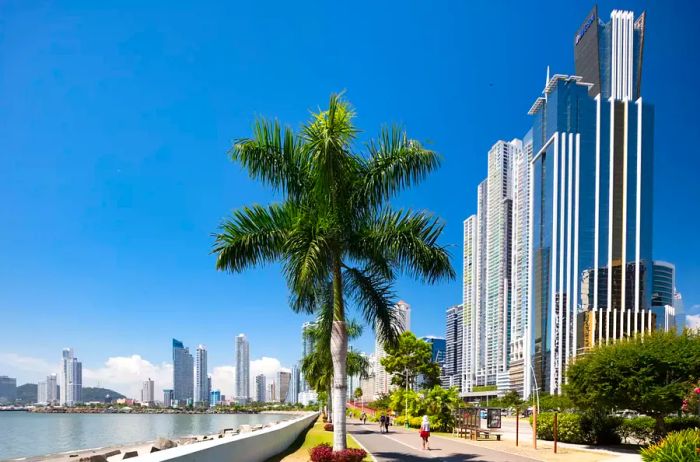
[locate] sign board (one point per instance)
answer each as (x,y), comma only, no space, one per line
(493,418)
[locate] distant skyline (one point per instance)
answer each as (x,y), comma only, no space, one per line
(116,120)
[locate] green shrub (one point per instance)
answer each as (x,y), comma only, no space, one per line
(413,422)
(600,428)
(674,424)
(569,427)
(680,446)
(639,428)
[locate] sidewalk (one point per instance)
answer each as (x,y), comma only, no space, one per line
(401,444)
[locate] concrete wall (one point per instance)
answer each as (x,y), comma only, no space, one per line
(256,446)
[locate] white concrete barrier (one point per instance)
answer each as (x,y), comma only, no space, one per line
(256,446)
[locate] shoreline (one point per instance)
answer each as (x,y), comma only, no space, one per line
(117,452)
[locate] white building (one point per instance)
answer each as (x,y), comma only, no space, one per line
(242,369)
(148,392)
(47,392)
(382,380)
(201,384)
(260,388)
(72,379)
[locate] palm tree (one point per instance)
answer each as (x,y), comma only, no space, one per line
(334,231)
(317,366)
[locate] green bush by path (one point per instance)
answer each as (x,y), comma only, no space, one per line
(639,428)
(674,424)
(680,446)
(569,427)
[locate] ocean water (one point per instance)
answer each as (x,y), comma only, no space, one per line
(26,434)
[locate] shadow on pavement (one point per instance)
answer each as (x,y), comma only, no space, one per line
(402,456)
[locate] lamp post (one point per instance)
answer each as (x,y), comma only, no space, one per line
(406,423)
(535,409)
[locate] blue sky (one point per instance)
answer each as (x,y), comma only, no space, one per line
(115,121)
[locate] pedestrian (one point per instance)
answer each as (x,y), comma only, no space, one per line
(363,418)
(425,432)
(387,422)
(382,421)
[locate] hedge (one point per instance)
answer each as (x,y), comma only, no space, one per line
(569,427)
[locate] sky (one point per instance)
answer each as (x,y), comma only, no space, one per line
(114,127)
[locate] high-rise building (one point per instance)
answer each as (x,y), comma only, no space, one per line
(478,367)
(8,389)
(242,369)
(498,259)
(403,320)
(307,346)
(680,310)
(282,383)
(260,387)
(293,395)
(201,383)
(271,392)
(454,347)
(52,389)
(183,374)
(148,392)
(72,379)
(168,397)
(215,398)
(519,279)
(591,201)
(438,348)
(663,289)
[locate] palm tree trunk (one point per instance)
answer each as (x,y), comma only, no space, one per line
(339,352)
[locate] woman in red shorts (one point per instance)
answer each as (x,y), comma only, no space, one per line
(425,432)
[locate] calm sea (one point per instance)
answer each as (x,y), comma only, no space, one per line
(25,434)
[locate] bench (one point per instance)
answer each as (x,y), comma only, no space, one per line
(474,433)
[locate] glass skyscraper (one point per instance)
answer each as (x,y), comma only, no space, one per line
(591,201)
(72,384)
(201,382)
(183,376)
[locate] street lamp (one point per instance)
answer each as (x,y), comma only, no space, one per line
(406,423)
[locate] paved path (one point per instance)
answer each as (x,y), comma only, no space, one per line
(402,445)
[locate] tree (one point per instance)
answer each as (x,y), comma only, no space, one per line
(650,374)
(358,393)
(334,232)
(411,356)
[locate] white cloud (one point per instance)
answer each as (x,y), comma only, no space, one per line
(126,374)
(36,367)
(692,321)
(224,377)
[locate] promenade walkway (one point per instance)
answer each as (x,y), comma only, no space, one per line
(403,445)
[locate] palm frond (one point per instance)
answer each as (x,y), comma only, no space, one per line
(409,240)
(253,235)
(374,296)
(274,157)
(395,163)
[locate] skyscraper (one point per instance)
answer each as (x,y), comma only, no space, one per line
(282,383)
(271,392)
(8,389)
(168,397)
(307,346)
(72,380)
(403,319)
(293,395)
(662,295)
(260,387)
(591,201)
(470,311)
(201,383)
(47,392)
(148,392)
(183,373)
(242,369)
(454,346)
(519,280)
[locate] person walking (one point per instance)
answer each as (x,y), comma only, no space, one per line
(363,418)
(387,422)
(425,432)
(382,421)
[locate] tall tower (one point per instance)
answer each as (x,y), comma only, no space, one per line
(454,347)
(242,368)
(201,384)
(147,392)
(72,383)
(260,388)
(591,201)
(469,306)
(183,373)
(498,259)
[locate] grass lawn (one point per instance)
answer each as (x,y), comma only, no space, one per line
(299,450)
